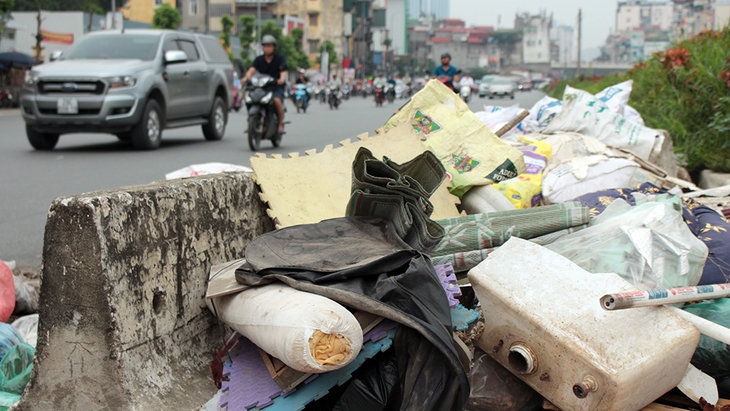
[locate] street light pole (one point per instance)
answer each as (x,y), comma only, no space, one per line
(258,23)
(114,14)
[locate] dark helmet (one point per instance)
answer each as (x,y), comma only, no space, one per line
(446,55)
(268,39)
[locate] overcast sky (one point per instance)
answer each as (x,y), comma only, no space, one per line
(599,16)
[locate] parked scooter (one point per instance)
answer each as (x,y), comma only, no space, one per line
(301,97)
(262,118)
(333,98)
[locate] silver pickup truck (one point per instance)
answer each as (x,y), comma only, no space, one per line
(133,84)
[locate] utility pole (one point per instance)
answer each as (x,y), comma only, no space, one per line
(114,13)
(258,28)
(577,68)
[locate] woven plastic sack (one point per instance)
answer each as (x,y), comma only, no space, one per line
(15,368)
(469,151)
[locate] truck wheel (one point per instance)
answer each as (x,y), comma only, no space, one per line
(147,134)
(41,141)
(217,120)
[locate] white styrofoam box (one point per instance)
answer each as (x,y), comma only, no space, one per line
(545,324)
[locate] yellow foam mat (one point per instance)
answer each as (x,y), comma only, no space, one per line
(315,187)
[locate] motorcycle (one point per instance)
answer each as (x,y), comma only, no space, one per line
(390,93)
(323,93)
(301,97)
(367,88)
(346,89)
(333,99)
(465,93)
(379,96)
(6,99)
(262,118)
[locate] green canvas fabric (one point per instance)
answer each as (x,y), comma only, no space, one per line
(399,193)
(489,230)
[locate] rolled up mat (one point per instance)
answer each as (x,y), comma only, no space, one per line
(489,230)
(307,332)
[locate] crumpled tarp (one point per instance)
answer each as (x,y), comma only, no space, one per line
(361,262)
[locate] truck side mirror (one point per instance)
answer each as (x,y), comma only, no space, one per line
(55,55)
(175,56)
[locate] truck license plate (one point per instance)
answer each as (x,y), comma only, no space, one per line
(68,105)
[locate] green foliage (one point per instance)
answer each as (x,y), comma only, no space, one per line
(225,36)
(478,72)
(286,45)
(330,47)
(245,34)
(166,17)
(6,6)
(686,91)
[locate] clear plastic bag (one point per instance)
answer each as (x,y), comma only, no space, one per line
(15,368)
(27,327)
(648,245)
(9,337)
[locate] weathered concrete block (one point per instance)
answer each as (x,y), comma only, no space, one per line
(123,323)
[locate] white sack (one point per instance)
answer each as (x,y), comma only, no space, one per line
(281,321)
(583,113)
(585,175)
(616,97)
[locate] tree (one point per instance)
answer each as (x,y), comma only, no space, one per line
(61,5)
(387,42)
(330,47)
(286,45)
(166,17)
(92,8)
(297,36)
(245,34)
(225,36)
(5,7)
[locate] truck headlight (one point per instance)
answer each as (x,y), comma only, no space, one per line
(31,78)
(121,81)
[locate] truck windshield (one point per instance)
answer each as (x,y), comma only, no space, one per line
(121,46)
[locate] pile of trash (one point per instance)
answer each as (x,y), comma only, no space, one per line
(19,287)
(558,263)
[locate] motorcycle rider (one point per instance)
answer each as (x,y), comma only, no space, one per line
(302,79)
(466,80)
(334,85)
(446,69)
(273,64)
(380,81)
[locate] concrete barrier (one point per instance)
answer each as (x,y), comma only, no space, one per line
(123,323)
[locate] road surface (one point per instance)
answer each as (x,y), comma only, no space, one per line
(88,162)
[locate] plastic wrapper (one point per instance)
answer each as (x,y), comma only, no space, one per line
(494,388)
(374,387)
(26,294)
(525,190)
(307,332)
(469,151)
(9,337)
(648,245)
(495,117)
(15,368)
(27,327)
(712,356)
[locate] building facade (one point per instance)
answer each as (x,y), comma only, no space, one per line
(535,37)
(143,10)
(563,38)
